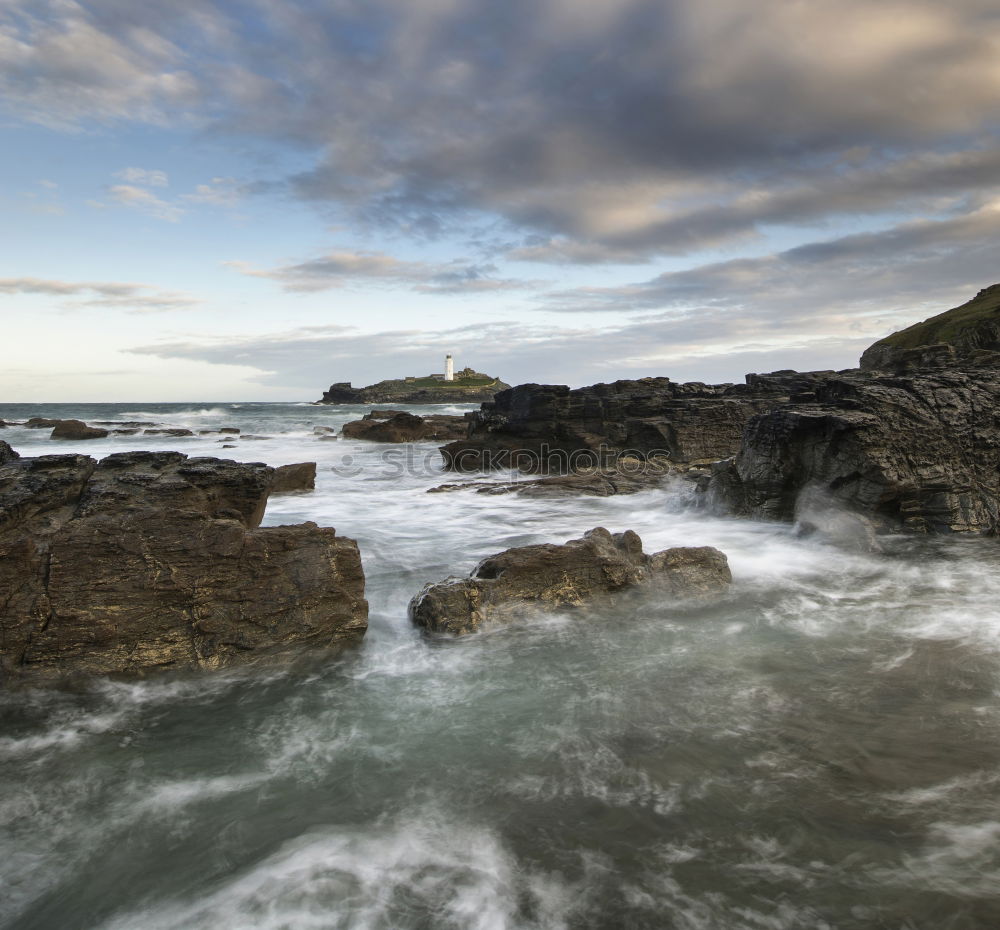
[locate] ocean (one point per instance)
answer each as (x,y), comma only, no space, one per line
(820,749)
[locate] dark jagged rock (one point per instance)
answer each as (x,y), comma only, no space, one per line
(550,428)
(469,387)
(967,336)
(231,430)
(153,560)
(921,450)
(291,478)
(125,424)
(7,454)
(173,431)
(593,569)
(399,426)
(76,429)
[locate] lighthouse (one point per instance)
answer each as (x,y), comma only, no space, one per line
(449,368)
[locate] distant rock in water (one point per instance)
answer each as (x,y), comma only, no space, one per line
(399,426)
(969,334)
(77,429)
(152,560)
(469,387)
(591,569)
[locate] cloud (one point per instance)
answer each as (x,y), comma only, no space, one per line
(143,176)
(133,298)
(917,261)
(219,192)
(139,198)
(623,131)
(343,268)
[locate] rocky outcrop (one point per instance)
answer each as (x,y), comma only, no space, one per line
(399,426)
(920,450)
(76,429)
(593,569)
(169,431)
(469,387)
(7,454)
(153,560)
(967,336)
(289,479)
(550,428)
(41,423)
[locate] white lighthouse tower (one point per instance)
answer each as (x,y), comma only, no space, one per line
(449,368)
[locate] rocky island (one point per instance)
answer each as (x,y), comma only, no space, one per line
(451,387)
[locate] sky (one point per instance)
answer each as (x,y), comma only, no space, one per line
(209,200)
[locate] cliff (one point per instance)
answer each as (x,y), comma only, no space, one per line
(958,336)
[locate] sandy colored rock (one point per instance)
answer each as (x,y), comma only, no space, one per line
(290,478)
(153,560)
(593,569)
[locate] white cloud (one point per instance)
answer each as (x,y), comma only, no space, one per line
(128,296)
(139,198)
(144,177)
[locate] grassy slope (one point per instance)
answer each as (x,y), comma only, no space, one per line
(948,326)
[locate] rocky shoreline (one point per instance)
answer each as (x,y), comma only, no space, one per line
(909,439)
(153,561)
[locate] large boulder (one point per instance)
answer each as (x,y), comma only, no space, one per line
(76,429)
(921,451)
(593,569)
(291,478)
(550,428)
(400,426)
(153,560)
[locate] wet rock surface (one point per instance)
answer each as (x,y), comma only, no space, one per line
(152,560)
(291,478)
(920,450)
(592,569)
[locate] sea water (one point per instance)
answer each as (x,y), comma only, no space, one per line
(821,749)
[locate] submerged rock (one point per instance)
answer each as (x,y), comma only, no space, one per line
(591,483)
(76,429)
(595,567)
(298,477)
(153,560)
(41,423)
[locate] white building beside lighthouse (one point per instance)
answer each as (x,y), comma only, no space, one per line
(449,368)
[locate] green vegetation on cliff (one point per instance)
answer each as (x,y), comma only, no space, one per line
(950,326)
